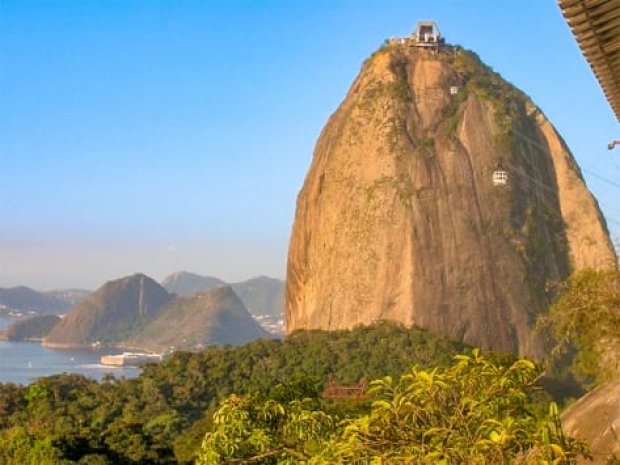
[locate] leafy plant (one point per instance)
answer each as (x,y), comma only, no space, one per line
(162,416)
(584,323)
(475,412)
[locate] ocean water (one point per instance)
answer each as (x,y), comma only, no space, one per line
(23,362)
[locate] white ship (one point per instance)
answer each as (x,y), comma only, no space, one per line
(130,359)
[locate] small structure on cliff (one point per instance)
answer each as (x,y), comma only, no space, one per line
(427,35)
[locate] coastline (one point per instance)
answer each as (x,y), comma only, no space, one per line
(65,346)
(91,347)
(4,338)
(24,362)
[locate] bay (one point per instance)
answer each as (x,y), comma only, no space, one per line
(24,362)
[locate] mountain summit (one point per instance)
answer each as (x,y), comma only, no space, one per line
(440,196)
(110,313)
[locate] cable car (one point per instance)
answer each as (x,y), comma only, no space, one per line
(500,176)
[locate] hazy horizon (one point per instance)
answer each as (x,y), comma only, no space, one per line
(158,137)
(36,266)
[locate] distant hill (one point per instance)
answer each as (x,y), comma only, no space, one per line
(262,296)
(34,327)
(216,317)
(25,300)
(136,311)
(111,314)
(185,283)
(69,296)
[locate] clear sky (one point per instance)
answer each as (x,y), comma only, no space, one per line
(166,135)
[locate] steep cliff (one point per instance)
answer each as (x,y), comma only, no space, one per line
(398,218)
(595,418)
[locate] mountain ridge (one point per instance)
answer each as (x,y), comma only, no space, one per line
(187,283)
(262,295)
(23,299)
(215,317)
(135,311)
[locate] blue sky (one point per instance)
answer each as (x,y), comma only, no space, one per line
(155,136)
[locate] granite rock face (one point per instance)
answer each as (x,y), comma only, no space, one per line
(595,419)
(399,219)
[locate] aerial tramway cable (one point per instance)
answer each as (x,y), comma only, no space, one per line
(549,189)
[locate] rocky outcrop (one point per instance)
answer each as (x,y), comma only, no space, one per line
(595,418)
(398,218)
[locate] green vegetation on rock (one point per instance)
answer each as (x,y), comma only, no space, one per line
(484,82)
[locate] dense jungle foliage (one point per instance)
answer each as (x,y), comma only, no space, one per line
(583,326)
(260,404)
(476,411)
(162,416)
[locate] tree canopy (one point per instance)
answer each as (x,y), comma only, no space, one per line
(162,416)
(584,324)
(475,411)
